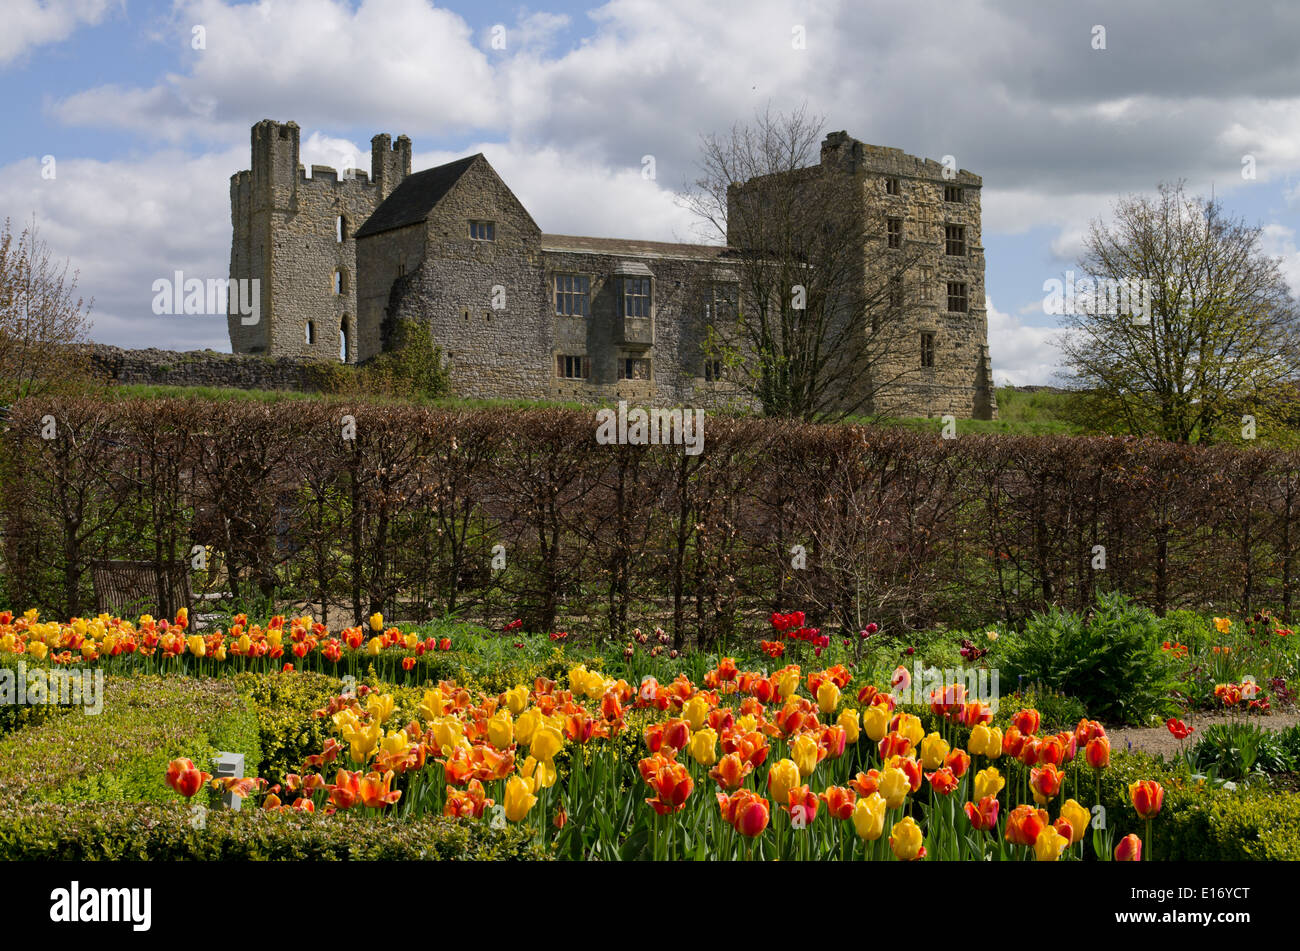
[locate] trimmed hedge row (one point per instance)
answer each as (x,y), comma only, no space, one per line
(121,754)
(1197,822)
(146,831)
(898,526)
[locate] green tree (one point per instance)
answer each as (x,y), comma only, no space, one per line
(1186,327)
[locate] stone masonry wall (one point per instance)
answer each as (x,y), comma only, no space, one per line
(199,368)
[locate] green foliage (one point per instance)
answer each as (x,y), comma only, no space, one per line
(1239,751)
(411,368)
(283,705)
(165,833)
(1198,822)
(1110,660)
(1059,711)
(121,754)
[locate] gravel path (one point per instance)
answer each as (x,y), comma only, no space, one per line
(1160,741)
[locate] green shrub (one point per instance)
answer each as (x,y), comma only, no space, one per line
(283,704)
(1198,821)
(1237,751)
(1110,660)
(168,833)
(121,754)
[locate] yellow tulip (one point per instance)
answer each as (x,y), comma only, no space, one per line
(994,748)
(910,726)
(519,798)
(546,742)
(788,683)
(704,746)
(934,750)
(448,733)
(374,646)
(517,699)
(244,643)
(38,650)
(380,706)
(275,637)
(501,730)
(781,778)
(395,743)
(869,817)
(848,721)
(828,696)
(979,740)
(196,645)
(906,840)
(988,782)
(432,706)
(696,712)
(1078,817)
(345,719)
(894,786)
(803,750)
(376,622)
(411,642)
(747,724)
(362,741)
(219,653)
(527,725)
(540,772)
(578,678)
(875,721)
(1049,845)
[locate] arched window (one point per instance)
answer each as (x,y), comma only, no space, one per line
(340,229)
(311,333)
(340,282)
(344,348)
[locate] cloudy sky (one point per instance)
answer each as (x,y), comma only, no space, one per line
(120,135)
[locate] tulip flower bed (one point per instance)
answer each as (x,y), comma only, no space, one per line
(661,758)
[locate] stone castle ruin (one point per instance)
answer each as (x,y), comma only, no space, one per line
(519,313)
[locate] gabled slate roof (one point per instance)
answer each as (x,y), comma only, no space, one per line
(413,199)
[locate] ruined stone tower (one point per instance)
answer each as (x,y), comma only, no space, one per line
(294,234)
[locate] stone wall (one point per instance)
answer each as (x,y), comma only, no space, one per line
(199,368)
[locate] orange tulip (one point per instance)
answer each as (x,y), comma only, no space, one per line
(959,762)
(672,785)
(375,791)
(1027,721)
(866,783)
(984,816)
(1025,824)
(186,778)
(1148,796)
(1045,783)
(802,804)
(731,771)
(942,781)
(745,811)
(1129,849)
(839,802)
(1097,752)
(346,789)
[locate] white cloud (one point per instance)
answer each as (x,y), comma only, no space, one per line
(397,63)
(1023,355)
(125,224)
(31,23)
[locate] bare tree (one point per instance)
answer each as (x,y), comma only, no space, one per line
(40,317)
(820,316)
(1186,324)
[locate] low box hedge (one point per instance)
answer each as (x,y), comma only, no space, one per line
(121,753)
(169,832)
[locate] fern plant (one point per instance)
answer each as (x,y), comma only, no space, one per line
(1110,659)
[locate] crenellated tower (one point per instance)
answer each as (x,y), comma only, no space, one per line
(293,233)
